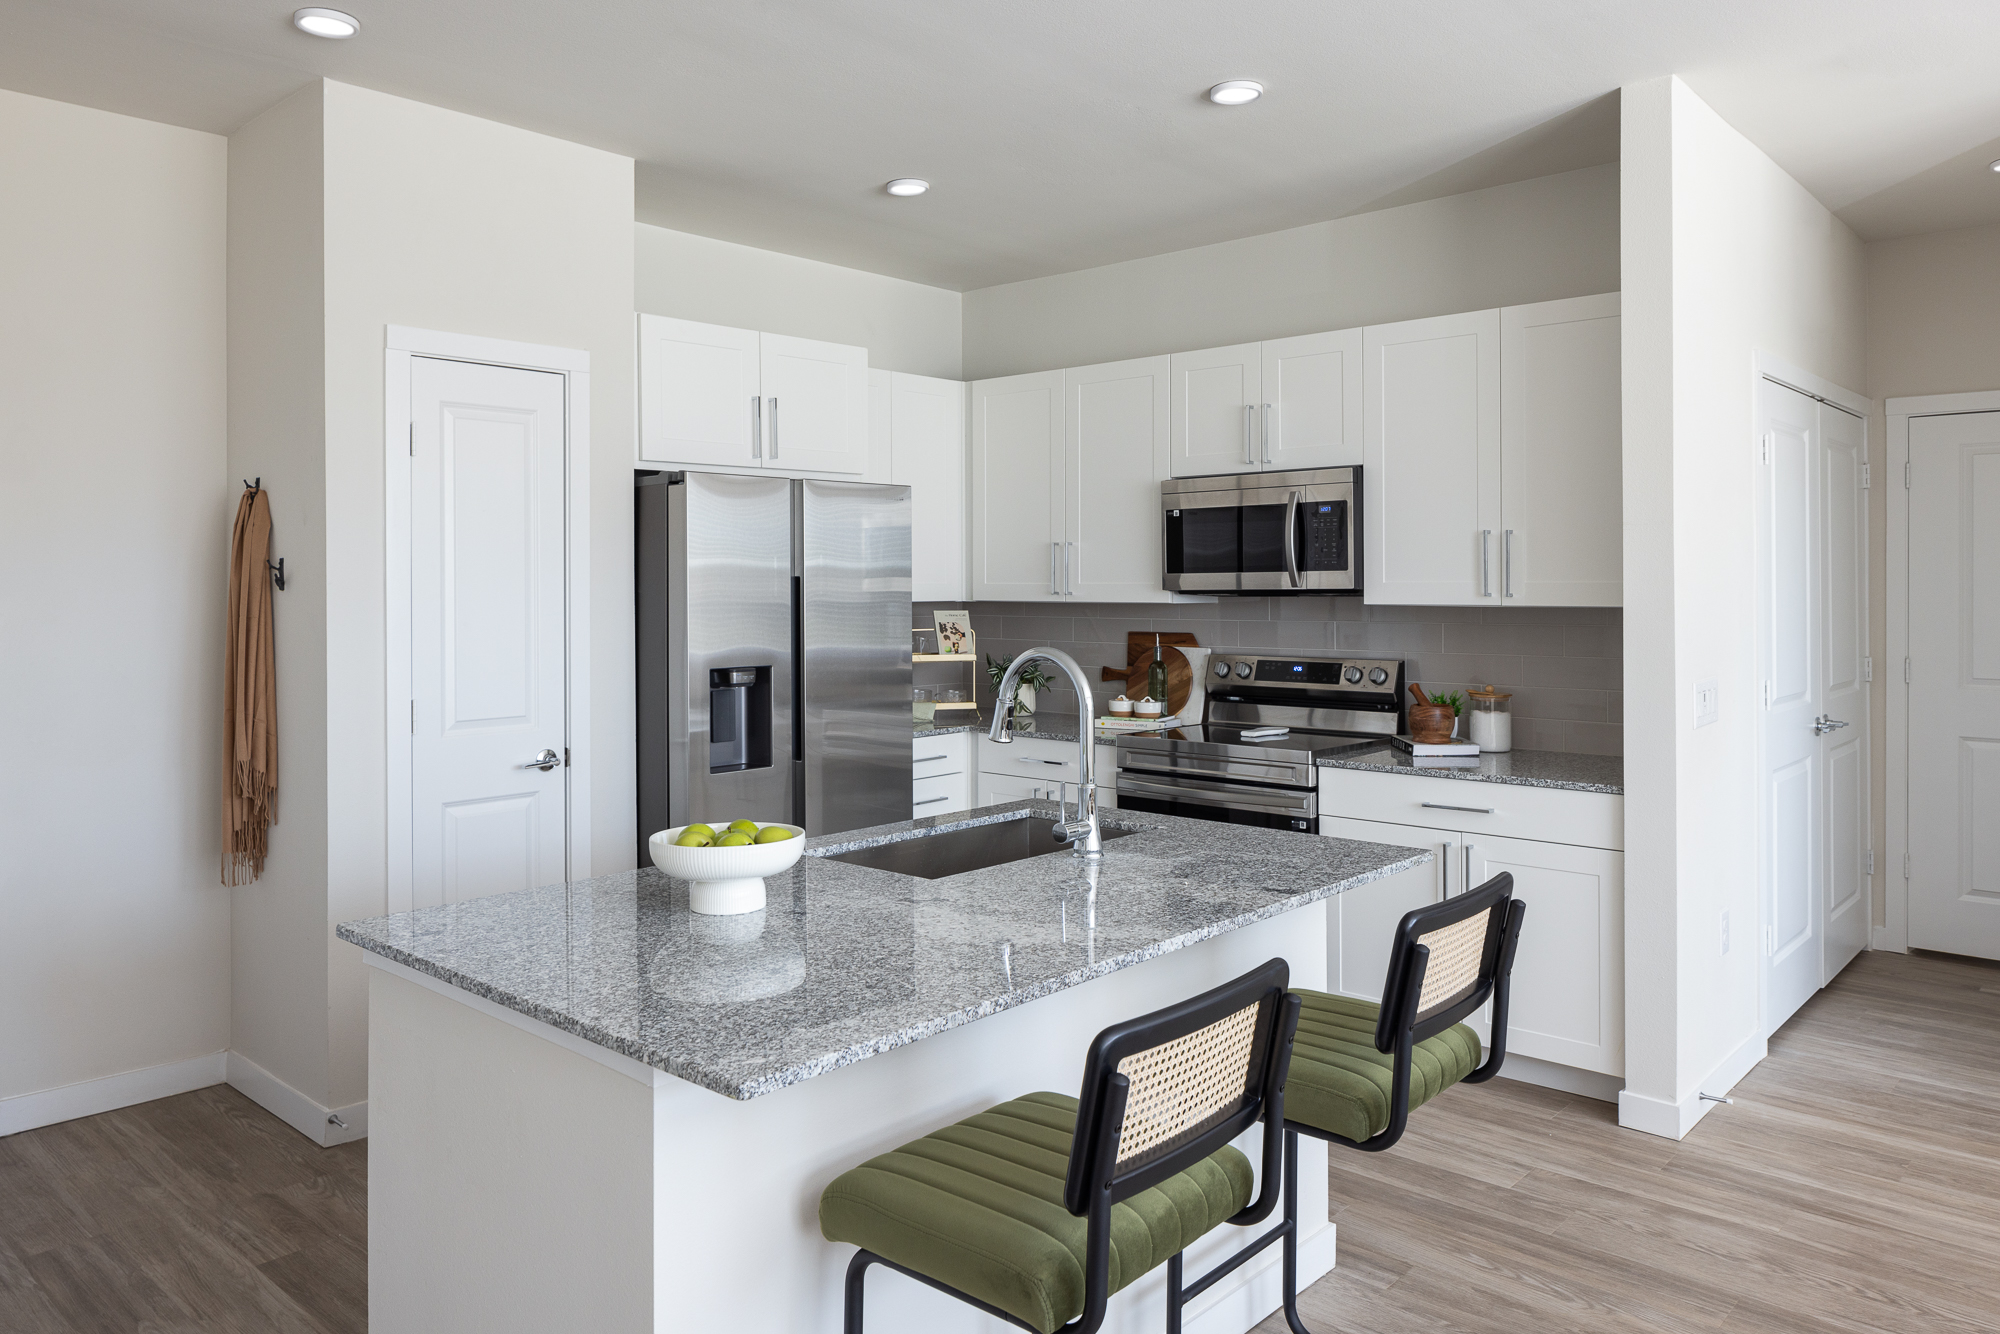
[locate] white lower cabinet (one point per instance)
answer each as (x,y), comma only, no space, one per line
(1038,769)
(1568,990)
(940,774)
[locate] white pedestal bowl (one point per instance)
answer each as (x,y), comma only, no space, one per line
(722,881)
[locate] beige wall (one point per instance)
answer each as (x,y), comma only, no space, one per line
(1534,240)
(115,506)
(1725,258)
(1933,328)
(905,326)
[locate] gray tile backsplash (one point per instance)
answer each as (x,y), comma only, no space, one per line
(1564,665)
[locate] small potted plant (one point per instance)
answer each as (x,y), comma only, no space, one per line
(1033,677)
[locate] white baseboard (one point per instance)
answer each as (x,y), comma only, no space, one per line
(1673,1120)
(1245,1304)
(28,1111)
(1567,1078)
(294,1108)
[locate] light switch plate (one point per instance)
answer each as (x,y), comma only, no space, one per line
(1704,703)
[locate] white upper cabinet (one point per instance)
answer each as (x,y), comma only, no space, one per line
(720,397)
(699,399)
(1118,437)
(1215,398)
(1561,465)
(1020,518)
(926,430)
(1431,478)
(1309,414)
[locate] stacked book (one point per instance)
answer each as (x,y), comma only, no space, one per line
(1438,754)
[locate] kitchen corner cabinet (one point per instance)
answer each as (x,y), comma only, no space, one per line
(1066,467)
(712,396)
(1276,406)
(925,429)
(1568,1002)
(1493,469)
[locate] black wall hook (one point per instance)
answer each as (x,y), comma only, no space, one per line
(257,485)
(277,573)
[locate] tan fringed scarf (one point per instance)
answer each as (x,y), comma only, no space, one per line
(249,697)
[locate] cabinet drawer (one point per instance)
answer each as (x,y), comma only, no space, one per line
(1047,762)
(931,756)
(1551,815)
(940,795)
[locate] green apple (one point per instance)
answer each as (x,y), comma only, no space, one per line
(695,837)
(743,827)
(733,839)
(698,829)
(773,834)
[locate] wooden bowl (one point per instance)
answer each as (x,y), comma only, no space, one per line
(1431,723)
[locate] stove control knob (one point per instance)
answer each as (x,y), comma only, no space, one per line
(1379,677)
(1243,671)
(1222,670)
(1354,676)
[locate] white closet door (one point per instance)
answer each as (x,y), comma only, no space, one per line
(1311,415)
(1955,683)
(1118,437)
(1361,924)
(1216,393)
(815,405)
(1562,500)
(927,439)
(486,630)
(1431,483)
(698,394)
(1019,522)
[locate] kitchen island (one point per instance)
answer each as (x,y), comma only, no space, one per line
(593,1109)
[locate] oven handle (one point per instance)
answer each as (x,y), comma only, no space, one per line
(1291,538)
(1230,796)
(1170,767)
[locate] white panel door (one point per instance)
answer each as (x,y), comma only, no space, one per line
(1361,924)
(698,394)
(486,632)
(1019,522)
(1845,908)
(1562,501)
(1310,415)
(1216,393)
(1118,437)
(927,441)
(1431,482)
(1955,684)
(815,405)
(1568,993)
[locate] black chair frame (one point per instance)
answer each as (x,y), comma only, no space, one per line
(1094,1182)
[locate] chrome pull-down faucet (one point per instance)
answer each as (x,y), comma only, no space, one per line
(1081,833)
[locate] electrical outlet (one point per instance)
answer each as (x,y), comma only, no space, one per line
(1725,932)
(1705,707)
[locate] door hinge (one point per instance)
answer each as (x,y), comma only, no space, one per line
(1906,866)
(1764,448)
(1906,671)
(413,717)
(1871,864)
(413,439)
(1871,861)
(1767,694)
(1868,669)
(1865,475)
(1770,941)
(1906,476)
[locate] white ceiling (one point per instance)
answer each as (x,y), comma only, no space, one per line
(1061,134)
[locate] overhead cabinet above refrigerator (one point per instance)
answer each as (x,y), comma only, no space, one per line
(713,396)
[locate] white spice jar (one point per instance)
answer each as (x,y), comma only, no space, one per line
(1492,722)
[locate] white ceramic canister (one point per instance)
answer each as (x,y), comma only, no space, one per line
(1492,722)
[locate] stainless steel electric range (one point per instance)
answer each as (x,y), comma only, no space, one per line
(1266,722)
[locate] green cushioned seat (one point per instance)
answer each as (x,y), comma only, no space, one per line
(978,1205)
(1340,1083)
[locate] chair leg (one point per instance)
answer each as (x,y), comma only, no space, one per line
(857,1274)
(1174,1293)
(1291,1243)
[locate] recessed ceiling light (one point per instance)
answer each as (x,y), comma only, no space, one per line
(1994,165)
(1235,92)
(906,186)
(326,23)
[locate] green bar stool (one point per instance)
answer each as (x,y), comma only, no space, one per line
(1358,1068)
(1037,1210)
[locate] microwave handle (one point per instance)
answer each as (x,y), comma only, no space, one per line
(1291,538)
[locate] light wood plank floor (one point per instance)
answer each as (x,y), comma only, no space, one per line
(1854,1185)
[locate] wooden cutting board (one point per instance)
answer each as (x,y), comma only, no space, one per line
(1139,657)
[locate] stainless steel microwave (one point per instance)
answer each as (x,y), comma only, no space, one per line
(1263,532)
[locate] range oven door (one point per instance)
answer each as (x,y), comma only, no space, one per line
(1264,533)
(1227,803)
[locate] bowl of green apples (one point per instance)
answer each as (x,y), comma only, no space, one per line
(725,864)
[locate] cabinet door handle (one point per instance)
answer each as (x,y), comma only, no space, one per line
(1267,433)
(1507,563)
(1069,554)
(1465,880)
(774,426)
(1485,573)
(931,801)
(1249,411)
(1028,759)
(1055,583)
(756,426)
(926,759)
(1444,855)
(1440,806)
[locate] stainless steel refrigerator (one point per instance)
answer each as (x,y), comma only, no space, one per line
(774,651)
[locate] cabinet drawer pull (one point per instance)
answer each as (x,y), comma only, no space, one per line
(926,759)
(1029,759)
(1440,806)
(931,801)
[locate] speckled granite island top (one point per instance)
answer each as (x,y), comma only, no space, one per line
(1523,768)
(847,961)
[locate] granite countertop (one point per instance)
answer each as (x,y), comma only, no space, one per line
(942,728)
(1523,768)
(847,961)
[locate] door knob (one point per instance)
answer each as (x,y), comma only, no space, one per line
(1826,723)
(545,761)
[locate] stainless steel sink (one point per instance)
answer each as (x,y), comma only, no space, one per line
(956,851)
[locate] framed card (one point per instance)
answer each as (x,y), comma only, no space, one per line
(954,631)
